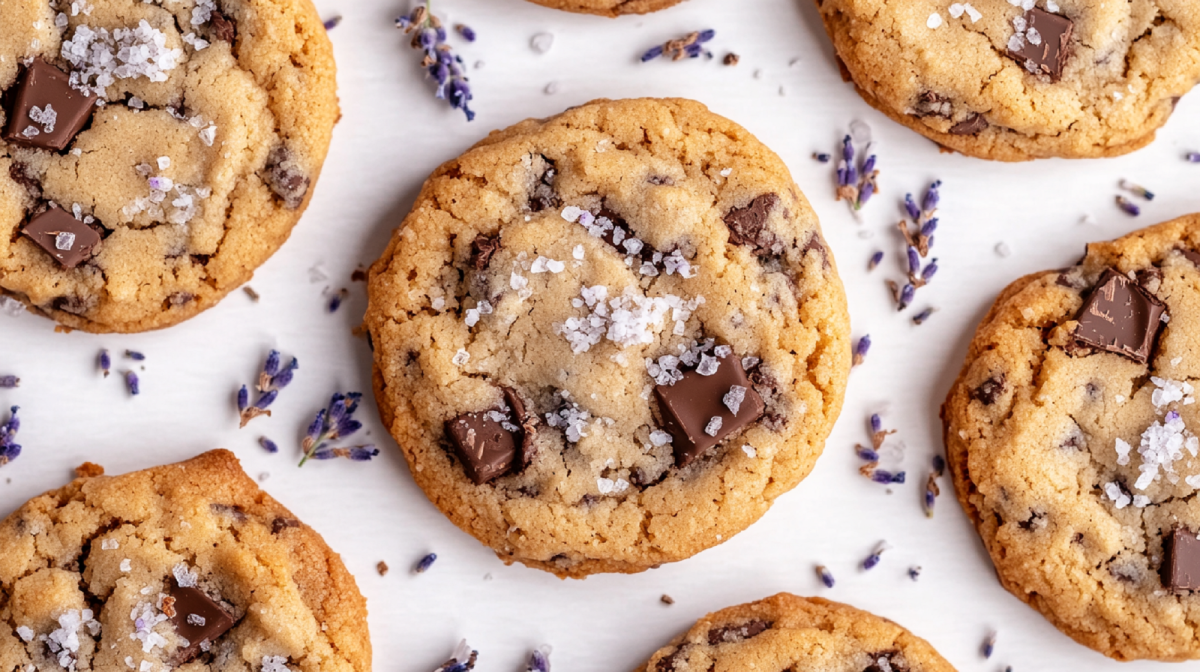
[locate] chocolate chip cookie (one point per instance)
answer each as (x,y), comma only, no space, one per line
(797,634)
(1071,436)
(610,8)
(609,339)
(154,153)
(1013,80)
(188,566)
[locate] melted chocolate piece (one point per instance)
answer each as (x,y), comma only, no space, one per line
(486,447)
(222,28)
(1191,255)
(989,390)
(286,177)
(63,237)
(280,524)
(736,633)
(814,244)
(690,405)
(197,619)
(46,112)
(1120,317)
(1181,561)
(748,225)
(972,125)
(1050,55)
(543,196)
(482,249)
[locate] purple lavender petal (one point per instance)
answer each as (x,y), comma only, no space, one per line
(881,476)
(266,399)
(929,271)
(848,150)
(821,157)
(907,293)
(284,377)
(939,463)
(1193,157)
(135,355)
(693,50)
(324,453)
(870,562)
(863,346)
(868,166)
(538,662)
(929,227)
(825,575)
(347,427)
(930,499)
(842,175)
(911,206)
(652,53)
(314,428)
(333,23)
(875,259)
(271,366)
(914,260)
(105,361)
(9,382)
(865,194)
(898,477)
(441,34)
(1128,206)
(466,32)
(932,197)
(427,38)
(706,35)
(362,453)
(14,423)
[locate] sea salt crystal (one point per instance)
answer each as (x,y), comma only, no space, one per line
(1034,37)
(708,365)
(1123,450)
(956,10)
(164,162)
(733,398)
(660,438)
(275,664)
(726,172)
(722,351)
(472,317)
(517,281)
(750,451)
(185,577)
(975,14)
(1161,446)
(47,117)
(208,135)
(461,357)
(1016,43)
(578,252)
(31,132)
(934,21)
(65,240)
(438,303)
(749,362)
(713,426)
(1141,501)
(126,566)
(195,619)
(25,633)
(605,485)
(1119,498)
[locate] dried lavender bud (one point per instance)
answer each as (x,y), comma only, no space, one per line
(911,207)
(135,355)
(333,23)
(929,227)
(1128,206)
(859,354)
(914,572)
(876,423)
(875,259)
(932,197)
(266,399)
(9,382)
(336,300)
(1193,157)
(105,362)
(1137,190)
(243,399)
(914,260)
(906,296)
(866,454)
(538,662)
(268,445)
(9,448)
(424,563)
(989,645)
(825,575)
(465,31)
(131,382)
(920,317)
(939,464)
(886,477)
(874,558)
(821,157)
(688,46)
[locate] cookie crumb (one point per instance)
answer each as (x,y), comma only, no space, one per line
(731,59)
(667,599)
(251,293)
(382,568)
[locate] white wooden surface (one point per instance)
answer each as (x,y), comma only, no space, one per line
(788,92)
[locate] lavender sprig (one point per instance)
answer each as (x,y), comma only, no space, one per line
(334,423)
(539,661)
(825,575)
(856,183)
(931,487)
(462,660)
(870,455)
(9,448)
(9,382)
(424,563)
(918,239)
(273,378)
(688,46)
(860,350)
(440,62)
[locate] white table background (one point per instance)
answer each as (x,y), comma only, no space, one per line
(788,92)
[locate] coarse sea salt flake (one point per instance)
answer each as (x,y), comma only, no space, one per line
(750,451)
(1119,498)
(461,357)
(975,14)
(713,426)
(934,21)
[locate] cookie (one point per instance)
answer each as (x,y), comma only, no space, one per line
(1070,433)
(609,339)
(791,634)
(154,153)
(610,8)
(1019,80)
(187,566)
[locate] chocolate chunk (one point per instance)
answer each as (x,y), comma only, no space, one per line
(617,240)
(482,249)
(668,663)
(970,126)
(197,619)
(1052,49)
(490,444)
(1120,317)
(19,173)
(286,177)
(989,390)
(736,633)
(748,225)
(63,237)
(46,112)
(543,196)
(814,244)
(1191,255)
(280,524)
(222,28)
(1181,561)
(692,406)
(932,104)
(527,422)
(889,661)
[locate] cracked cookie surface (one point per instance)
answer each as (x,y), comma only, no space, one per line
(610,8)
(117,573)
(204,127)
(786,633)
(1018,81)
(1070,435)
(609,339)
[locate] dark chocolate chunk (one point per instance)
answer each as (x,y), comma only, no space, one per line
(668,663)
(197,619)
(1181,561)
(692,406)
(46,112)
(222,28)
(618,240)
(748,225)
(931,104)
(1191,255)
(1052,48)
(63,237)
(280,524)
(543,196)
(814,244)
(736,633)
(1120,317)
(970,126)
(286,177)
(75,305)
(491,443)
(482,249)
(889,661)
(989,390)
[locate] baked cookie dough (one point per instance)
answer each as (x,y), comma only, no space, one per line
(1071,437)
(1018,80)
(153,153)
(609,339)
(796,634)
(188,566)
(610,8)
